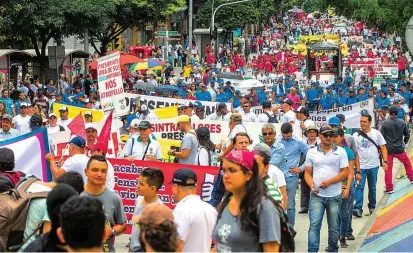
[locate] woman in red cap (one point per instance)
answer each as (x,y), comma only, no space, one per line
(247,219)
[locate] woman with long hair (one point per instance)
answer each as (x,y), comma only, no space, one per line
(206,153)
(247,219)
(2,111)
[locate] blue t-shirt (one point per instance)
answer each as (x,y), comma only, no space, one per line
(312,95)
(382,101)
(261,96)
(362,98)
(351,100)
(401,114)
(236,102)
(222,97)
(407,95)
(8,102)
(203,96)
(326,104)
(341,100)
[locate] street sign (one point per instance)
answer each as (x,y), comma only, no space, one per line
(170,33)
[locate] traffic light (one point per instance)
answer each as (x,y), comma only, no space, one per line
(215,32)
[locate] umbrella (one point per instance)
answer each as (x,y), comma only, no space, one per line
(229,75)
(296,10)
(152,63)
(144,65)
(145,86)
(167,89)
(124,59)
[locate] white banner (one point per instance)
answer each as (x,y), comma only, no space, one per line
(351,112)
(29,153)
(110,84)
(167,129)
(161,102)
(382,70)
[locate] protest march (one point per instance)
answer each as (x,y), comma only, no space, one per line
(221,151)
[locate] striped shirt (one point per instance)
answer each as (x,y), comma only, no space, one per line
(273,189)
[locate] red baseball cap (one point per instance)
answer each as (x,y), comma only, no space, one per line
(98,146)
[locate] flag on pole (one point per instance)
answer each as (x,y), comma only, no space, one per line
(77,126)
(104,135)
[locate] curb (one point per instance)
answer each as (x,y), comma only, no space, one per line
(356,245)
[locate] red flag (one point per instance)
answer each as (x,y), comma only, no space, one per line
(77,126)
(104,135)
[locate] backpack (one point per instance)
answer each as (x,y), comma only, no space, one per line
(287,231)
(271,119)
(209,155)
(14,207)
(13,176)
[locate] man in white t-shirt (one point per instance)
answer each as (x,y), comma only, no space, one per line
(22,121)
(195,219)
(268,114)
(76,162)
(64,119)
(325,167)
(303,114)
(53,126)
(221,113)
(247,114)
(289,114)
(369,161)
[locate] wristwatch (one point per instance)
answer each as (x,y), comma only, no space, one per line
(113,232)
(358,172)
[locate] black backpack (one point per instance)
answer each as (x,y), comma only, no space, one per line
(271,119)
(287,231)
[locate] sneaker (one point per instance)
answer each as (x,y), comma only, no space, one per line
(371,210)
(343,243)
(303,211)
(390,191)
(357,213)
(351,237)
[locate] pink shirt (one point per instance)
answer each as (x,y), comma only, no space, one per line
(296,99)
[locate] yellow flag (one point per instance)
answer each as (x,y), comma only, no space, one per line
(167,112)
(74,111)
(166,145)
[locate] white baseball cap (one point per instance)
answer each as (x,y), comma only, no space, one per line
(134,123)
(88,113)
(63,108)
(90,125)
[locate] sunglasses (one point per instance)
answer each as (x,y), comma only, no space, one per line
(267,134)
(327,135)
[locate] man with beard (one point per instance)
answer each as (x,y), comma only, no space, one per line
(189,145)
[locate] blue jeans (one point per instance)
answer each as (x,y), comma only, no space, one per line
(346,212)
(317,207)
(218,191)
(371,176)
(292,186)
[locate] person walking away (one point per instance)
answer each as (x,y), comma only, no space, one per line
(195,219)
(96,172)
(371,147)
(150,181)
(325,167)
(396,134)
(206,154)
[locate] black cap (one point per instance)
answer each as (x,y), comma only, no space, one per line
(288,102)
(341,117)
(338,130)
(144,124)
(221,106)
(304,110)
(6,155)
(325,129)
(203,133)
(393,110)
(36,121)
(266,104)
(184,177)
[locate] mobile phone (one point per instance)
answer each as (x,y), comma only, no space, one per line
(175,148)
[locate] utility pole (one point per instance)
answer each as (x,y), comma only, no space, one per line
(190,24)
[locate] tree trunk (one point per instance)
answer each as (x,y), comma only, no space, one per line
(43,63)
(104,47)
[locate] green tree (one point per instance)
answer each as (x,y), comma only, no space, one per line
(37,22)
(120,15)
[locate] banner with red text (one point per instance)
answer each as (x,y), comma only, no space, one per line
(127,176)
(110,84)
